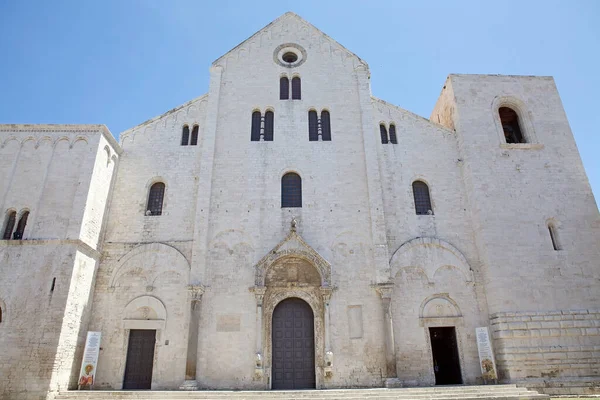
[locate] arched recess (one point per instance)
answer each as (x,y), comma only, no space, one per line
(524,115)
(439,306)
(145,312)
(430,254)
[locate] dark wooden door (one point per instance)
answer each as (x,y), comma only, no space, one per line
(140,359)
(293,345)
(446,363)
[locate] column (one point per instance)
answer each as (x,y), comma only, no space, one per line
(259,292)
(191,383)
(385,291)
(326,295)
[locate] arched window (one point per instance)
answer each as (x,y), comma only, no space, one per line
(21,226)
(291,190)
(0,314)
(9,224)
(185,135)
(383,133)
(325,126)
(269,117)
(255,133)
(155,199)
(393,138)
(510,125)
(296,88)
(553,236)
(194,140)
(422,199)
(284,88)
(313,126)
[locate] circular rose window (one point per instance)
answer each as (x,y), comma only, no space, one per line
(289,55)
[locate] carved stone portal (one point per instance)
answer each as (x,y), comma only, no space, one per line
(292,269)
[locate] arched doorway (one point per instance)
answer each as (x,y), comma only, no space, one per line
(293,344)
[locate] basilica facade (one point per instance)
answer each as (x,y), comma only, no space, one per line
(290,230)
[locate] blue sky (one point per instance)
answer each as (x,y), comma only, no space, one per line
(121,62)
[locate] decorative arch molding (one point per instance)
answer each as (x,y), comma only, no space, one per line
(156,247)
(293,246)
(445,307)
(430,254)
(145,312)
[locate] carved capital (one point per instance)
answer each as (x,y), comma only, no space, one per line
(259,292)
(384,289)
(326,292)
(196,291)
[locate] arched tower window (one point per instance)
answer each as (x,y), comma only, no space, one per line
(510,125)
(269,122)
(422,199)
(393,138)
(291,190)
(296,88)
(9,224)
(325,126)
(155,199)
(383,133)
(255,134)
(21,226)
(185,135)
(553,236)
(284,88)
(313,126)
(194,140)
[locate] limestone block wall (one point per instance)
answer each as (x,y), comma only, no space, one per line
(551,345)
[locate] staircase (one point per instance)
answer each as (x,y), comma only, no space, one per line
(496,392)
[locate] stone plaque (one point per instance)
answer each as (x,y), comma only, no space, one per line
(228,322)
(355,322)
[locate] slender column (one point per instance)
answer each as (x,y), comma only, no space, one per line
(385,291)
(326,294)
(196,292)
(259,292)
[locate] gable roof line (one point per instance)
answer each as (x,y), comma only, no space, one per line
(153,119)
(412,114)
(302,20)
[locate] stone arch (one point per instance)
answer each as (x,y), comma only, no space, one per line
(145,312)
(525,117)
(439,305)
(322,266)
(430,254)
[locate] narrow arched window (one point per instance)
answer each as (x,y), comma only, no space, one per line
(21,226)
(255,133)
(393,138)
(553,236)
(0,314)
(313,126)
(383,133)
(291,190)
(284,88)
(422,199)
(185,135)
(155,199)
(194,140)
(269,122)
(9,224)
(296,88)
(510,125)
(325,126)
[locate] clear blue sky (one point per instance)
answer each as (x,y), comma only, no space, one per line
(121,62)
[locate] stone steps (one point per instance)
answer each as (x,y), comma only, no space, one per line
(495,392)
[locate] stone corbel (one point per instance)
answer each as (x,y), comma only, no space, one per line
(259,293)
(196,292)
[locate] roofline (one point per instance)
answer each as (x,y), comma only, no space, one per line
(412,113)
(502,76)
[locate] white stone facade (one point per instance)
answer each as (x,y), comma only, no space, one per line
(208,272)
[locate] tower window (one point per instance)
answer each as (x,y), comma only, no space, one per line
(553,236)
(393,138)
(185,135)
(510,125)
(422,199)
(383,133)
(9,225)
(194,140)
(291,190)
(155,199)
(296,88)
(284,88)
(18,235)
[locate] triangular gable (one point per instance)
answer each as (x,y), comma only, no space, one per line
(290,18)
(293,245)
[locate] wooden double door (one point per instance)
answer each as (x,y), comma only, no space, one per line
(293,365)
(140,359)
